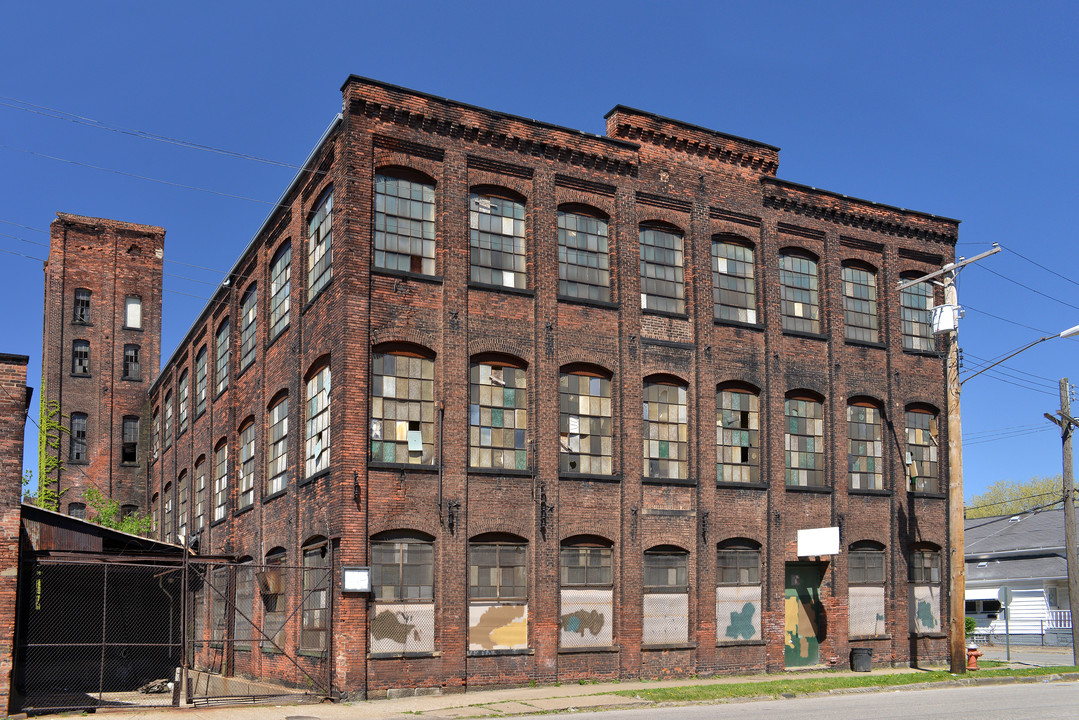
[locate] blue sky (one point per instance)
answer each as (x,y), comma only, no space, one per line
(961,109)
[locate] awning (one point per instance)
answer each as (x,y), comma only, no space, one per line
(982,593)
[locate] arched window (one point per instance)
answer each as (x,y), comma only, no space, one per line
(248,326)
(246,481)
(738,446)
(497,240)
(80,357)
(922,445)
(587,585)
(168,419)
(132,368)
(221,481)
(498,578)
(183,401)
(167,514)
(804,441)
(584,265)
(77,510)
(402,408)
(316,591)
(662,264)
(221,364)
(738,590)
(277,448)
(799,301)
(317,429)
(319,246)
(244,609)
(925,590)
(157,433)
(82,307)
(916,305)
(200,493)
(865,435)
(154,525)
(273,587)
(666,427)
(181,491)
(860,303)
(77,446)
(404,223)
(586,435)
(734,284)
(666,596)
(402,584)
(865,579)
(498,414)
(280,277)
(200,382)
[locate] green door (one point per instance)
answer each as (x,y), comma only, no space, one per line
(804,624)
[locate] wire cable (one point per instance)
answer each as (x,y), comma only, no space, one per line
(1038,264)
(1027,287)
(1004,319)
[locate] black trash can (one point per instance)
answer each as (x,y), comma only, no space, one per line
(861,659)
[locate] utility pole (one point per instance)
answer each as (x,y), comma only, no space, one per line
(945,322)
(957,565)
(1067,425)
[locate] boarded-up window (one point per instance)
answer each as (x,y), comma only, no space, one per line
(924,601)
(498,596)
(865,569)
(666,597)
(587,611)
(402,578)
(738,591)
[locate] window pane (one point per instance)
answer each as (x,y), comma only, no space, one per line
(661,271)
(734,288)
(498,417)
(865,433)
(586,442)
(666,426)
(583,262)
(737,436)
(402,409)
(404,233)
(497,241)
(319,247)
(804,441)
(798,297)
(922,448)
(916,315)
(860,304)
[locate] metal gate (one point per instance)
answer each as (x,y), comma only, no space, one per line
(113,632)
(97,633)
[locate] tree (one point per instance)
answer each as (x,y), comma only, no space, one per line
(106,513)
(1008,497)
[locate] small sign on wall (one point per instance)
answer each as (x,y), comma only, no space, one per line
(356,579)
(818,541)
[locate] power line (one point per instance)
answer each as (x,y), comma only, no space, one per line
(1000,430)
(1027,287)
(1013,369)
(30,242)
(1004,319)
(90,122)
(28,257)
(1037,264)
(26,227)
(139,177)
(982,441)
(1026,497)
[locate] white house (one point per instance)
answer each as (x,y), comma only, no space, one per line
(1024,553)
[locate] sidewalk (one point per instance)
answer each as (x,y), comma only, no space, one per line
(1035,655)
(475,703)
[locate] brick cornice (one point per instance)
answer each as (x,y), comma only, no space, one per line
(854,212)
(491,136)
(731,155)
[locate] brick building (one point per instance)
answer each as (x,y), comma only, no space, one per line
(101,349)
(586,390)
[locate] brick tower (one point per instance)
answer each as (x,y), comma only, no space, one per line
(101,350)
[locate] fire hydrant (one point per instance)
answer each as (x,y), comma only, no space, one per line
(973,653)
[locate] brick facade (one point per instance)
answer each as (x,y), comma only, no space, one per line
(112,261)
(649,172)
(14,401)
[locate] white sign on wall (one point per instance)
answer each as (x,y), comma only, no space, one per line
(818,541)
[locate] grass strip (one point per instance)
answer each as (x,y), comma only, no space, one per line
(803,686)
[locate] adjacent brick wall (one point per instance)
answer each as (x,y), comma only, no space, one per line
(113,260)
(14,401)
(650,169)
